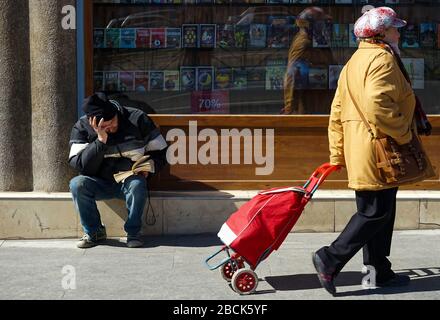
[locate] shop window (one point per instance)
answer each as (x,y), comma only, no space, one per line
(247,57)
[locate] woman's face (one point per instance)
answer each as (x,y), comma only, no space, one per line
(392,35)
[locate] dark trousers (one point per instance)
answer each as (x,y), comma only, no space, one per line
(371,228)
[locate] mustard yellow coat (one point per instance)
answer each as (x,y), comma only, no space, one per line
(386,100)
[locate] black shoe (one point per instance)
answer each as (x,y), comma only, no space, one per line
(325,276)
(134,241)
(397,280)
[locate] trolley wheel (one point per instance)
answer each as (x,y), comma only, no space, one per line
(244,281)
(227,270)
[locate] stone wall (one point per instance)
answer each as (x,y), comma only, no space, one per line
(37,95)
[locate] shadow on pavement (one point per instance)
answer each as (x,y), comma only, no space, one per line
(310,281)
(422,280)
(192,241)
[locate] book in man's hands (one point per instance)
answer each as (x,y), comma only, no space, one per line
(144,164)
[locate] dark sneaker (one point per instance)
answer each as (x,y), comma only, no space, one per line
(90,241)
(325,277)
(134,241)
(398,280)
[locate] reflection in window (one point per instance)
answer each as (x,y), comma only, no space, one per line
(246,57)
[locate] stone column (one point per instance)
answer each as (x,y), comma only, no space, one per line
(15,104)
(53,89)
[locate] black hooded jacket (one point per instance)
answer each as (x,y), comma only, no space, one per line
(136,133)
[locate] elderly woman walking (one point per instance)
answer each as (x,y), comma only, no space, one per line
(372,86)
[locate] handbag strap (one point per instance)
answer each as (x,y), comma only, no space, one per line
(370,130)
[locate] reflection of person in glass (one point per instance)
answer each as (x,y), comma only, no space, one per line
(301,57)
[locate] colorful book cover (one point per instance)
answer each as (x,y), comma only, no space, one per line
(111,81)
(278,32)
(143,38)
(141,81)
(352,39)
(275,72)
(318,78)
(156,80)
(258,35)
(339,35)
(334,70)
(188,78)
(256,77)
(171,80)
(279,1)
(128,38)
(190,35)
(112,38)
(322,32)
(208,35)
(223,78)
(428,35)
(241,36)
(205,78)
(98,81)
(239,81)
(225,36)
(416,70)
(99,38)
(299,71)
(158,38)
(126,81)
(432,70)
(410,36)
(174,38)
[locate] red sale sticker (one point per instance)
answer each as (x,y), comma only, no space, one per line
(210,102)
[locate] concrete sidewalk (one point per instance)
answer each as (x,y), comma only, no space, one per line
(172,268)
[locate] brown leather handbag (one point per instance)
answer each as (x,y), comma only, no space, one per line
(398,164)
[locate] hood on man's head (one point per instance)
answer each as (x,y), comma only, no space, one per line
(99,106)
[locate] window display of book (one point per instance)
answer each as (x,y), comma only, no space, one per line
(183,46)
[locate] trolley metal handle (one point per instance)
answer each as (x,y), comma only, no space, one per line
(225,260)
(318,177)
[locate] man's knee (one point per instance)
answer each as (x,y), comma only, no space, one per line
(78,185)
(137,185)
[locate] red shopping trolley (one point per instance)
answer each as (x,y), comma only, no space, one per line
(260,227)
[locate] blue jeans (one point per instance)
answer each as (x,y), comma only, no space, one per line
(87,190)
